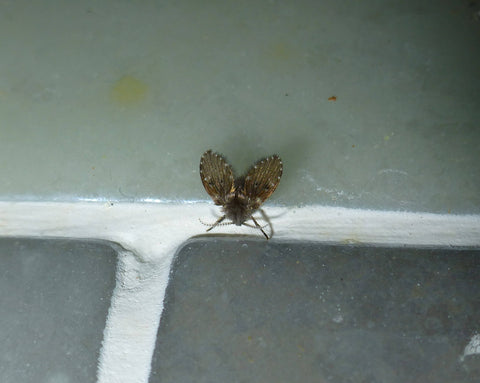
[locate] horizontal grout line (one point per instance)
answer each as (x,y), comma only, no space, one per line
(132,221)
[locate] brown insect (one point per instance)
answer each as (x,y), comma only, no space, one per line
(239,197)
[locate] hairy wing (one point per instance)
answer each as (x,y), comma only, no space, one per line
(262,179)
(217,176)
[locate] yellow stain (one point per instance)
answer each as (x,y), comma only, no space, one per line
(128,91)
(281,51)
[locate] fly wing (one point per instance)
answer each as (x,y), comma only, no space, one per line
(262,179)
(217,176)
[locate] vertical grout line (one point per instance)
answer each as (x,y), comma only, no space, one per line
(136,307)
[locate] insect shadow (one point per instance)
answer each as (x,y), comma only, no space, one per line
(240,197)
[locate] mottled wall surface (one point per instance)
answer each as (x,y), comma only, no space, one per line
(370,104)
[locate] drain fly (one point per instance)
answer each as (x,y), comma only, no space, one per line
(239,197)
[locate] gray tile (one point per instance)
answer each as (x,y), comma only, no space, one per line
(54,300)
(258,311)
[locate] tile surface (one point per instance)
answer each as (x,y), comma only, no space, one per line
(117,100)
(257,311)
(54,300)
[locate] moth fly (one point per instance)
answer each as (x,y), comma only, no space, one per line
(239,197)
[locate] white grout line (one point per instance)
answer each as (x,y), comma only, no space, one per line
(151,233)
(472,348)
